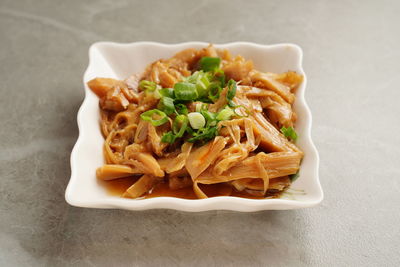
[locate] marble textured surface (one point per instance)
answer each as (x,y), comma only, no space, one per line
(352,60)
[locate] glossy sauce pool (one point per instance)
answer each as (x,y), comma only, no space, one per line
(118,186)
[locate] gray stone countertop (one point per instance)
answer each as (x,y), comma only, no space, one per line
(352,59)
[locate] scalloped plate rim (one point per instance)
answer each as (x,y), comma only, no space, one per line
(215,203)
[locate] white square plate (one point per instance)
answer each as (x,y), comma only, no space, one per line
(119,61)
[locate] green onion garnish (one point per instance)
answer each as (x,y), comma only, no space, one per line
(220,77)
(147,85)
(231,92)
(185,91)
(202,85)
(179,126)
(178,129)
(150,88)
(214,91)
(169,92)
(181,109)
(211,117)
(225,114)
(196,120)
(198,106)
(201,106)
(155,116)
(290,133)
(166,104)
(168,138)
(209,63)
(202,81)
(204,135)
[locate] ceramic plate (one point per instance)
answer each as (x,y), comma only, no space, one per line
(119,61)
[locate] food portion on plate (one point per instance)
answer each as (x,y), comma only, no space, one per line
(200,124)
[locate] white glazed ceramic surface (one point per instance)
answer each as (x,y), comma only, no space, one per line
(119,61)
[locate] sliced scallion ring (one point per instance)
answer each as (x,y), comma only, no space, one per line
(155,117)
(168,138)
(209,63)
(214,91)
(196,120)
(166,104)
(225,114)
(185,91)
(181,109)
(179,126)
(147,85)
(168,92)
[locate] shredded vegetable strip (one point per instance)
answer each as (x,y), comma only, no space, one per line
(203,121)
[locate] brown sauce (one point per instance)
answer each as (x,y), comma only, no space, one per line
(118,186)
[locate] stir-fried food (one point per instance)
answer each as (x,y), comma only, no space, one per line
(199,119)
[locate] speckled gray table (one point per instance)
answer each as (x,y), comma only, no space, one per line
(352,58)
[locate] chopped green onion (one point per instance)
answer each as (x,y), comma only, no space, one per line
(231,92)
(198,107)
(168,137)
(194,77)
(211,117)
(201,106)
(202,85)
(181,109)
(178,129)
(156,94)
(185,91)
(179,126)
(220,77)
(198,75)
(147,85)
(218,72)
(209,63)
(289,133)
(151,88)
(225,114)
(169,92)
(201,80)
(190,130)
(166,104)
(214,91)
(204,135)
(160,118)
(196,120)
